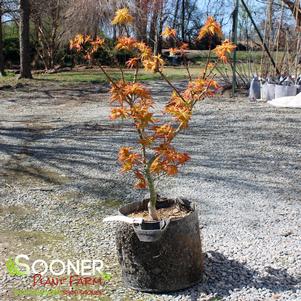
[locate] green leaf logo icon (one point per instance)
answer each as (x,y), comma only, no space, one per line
(106,276)
(12,269)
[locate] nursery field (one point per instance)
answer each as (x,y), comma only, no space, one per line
(94,75)
(59,178)
(83,75)
(248,64)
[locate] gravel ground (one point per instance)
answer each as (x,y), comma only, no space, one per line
(59,178)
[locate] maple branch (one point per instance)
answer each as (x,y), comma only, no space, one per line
(171,85)
(183,55)
(208,60)
(136,74)
(108,76)
(186,66)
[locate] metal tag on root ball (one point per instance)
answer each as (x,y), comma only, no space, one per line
(124,219)
(151,231)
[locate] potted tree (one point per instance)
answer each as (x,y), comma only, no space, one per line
(158,241)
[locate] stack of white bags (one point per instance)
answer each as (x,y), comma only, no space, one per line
(281,93)
(287,102)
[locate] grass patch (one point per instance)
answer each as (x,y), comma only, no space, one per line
(101,205)
(199,58)
(28,175)
(69,196)
(13,210)
(34,238)
(112,203)
(96,76)
(27,241)
(9,79)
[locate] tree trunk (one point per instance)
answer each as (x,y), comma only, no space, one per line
(175,16)
(183,21)
(2,72)
(153,197)
(114,33)
(25,68)
(142,11)
(189,15)
(153,30)
(159,28)
(159,32)
(294,6)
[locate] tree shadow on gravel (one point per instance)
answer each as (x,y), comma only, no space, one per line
(73,156)
(223,275)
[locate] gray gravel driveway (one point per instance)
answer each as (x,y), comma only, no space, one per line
(59,178)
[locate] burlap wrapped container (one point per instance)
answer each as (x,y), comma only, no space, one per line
(283,91)
(298,88)
(263,91)
(270,91)
(254,91)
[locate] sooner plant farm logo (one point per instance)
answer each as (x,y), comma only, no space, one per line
(66,277)
(13,269)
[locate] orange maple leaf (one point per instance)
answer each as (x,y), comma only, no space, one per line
(224,50)
(141,184)
(122,17)
(133,62)
(125,43)
(169,32)
(211,28)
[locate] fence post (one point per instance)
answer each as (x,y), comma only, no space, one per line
(234,40)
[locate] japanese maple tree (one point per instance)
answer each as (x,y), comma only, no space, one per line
(154,154)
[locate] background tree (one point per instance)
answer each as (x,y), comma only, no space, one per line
(54,22)
(48,17)
(91,17)
(25,67)
(2,72)
(142,9)
(294,7)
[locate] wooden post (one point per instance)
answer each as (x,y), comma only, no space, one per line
(234,40)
